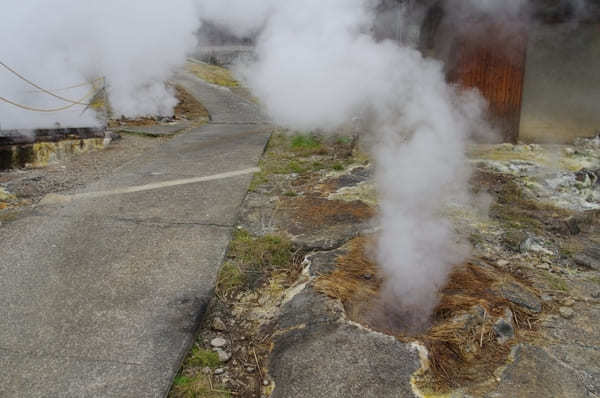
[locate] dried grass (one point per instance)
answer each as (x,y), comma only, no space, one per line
(462,345)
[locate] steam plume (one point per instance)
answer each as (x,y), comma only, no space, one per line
(134,44)
(319,65)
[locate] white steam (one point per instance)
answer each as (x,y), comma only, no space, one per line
(318,66)
(135,44)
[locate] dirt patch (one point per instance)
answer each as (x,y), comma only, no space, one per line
(306,213)
(189,107)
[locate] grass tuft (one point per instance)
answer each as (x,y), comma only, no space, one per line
(252,259)
(197,387)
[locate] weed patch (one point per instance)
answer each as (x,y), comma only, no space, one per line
(303,154)
(192,382)
(199,386)
(251,259)
(203,358)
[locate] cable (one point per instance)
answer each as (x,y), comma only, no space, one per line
(64,108)
(92,83)
(38,87)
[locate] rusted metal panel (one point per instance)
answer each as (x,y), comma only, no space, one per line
(495,65)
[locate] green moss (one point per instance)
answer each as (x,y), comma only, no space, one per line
(200,357)
(182,380)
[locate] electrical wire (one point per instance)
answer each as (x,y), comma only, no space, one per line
(92,83)
(38,87)
(64,108)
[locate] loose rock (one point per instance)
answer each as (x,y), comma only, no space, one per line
(566,312)
(568,302)
(219,371)
(219,325)
(218,342)
(504,327)
(520,295)
(224,356)
(502,263)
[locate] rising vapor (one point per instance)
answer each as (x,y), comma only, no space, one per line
(319,65)
(134,44)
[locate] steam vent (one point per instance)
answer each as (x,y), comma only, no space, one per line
(300,199)
(541,77)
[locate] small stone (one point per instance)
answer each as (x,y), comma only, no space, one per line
(218,342)
(520,295)
(219,371)
(568,302)
(502,263)
(504,327)
(224,356)
(566,312)
(546,297)
(218,325)
(250,369)
(544,266)
(266,382)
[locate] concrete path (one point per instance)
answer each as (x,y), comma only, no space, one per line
(101,290)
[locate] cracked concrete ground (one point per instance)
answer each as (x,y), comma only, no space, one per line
(102,296)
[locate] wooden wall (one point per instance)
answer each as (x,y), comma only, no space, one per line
(493,61)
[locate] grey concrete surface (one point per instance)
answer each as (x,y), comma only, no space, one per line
(102,297)
(222,104)
(561,94)
(317,354)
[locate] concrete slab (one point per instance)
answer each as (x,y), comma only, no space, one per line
(222,104)
(34,376)
(102,297)
(561,95)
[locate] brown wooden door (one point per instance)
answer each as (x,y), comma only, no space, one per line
(493,60)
